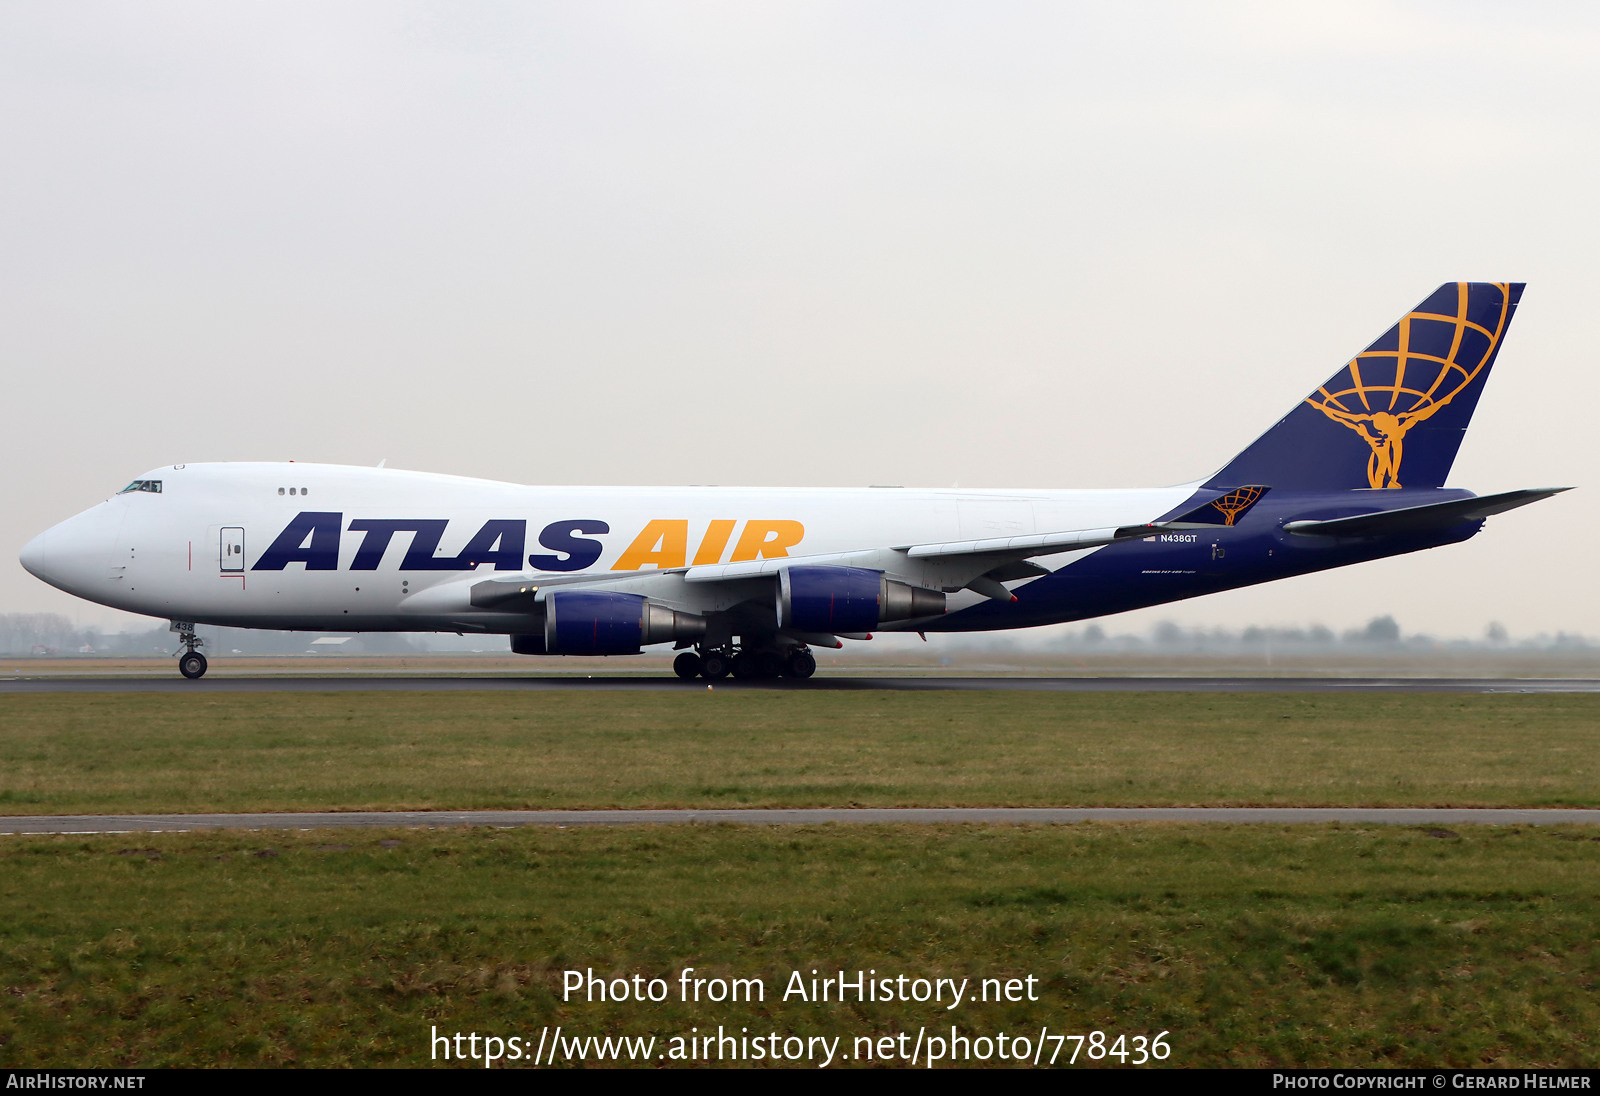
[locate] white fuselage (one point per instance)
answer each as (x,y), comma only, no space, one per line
(194,551)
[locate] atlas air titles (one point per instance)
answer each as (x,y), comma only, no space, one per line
(314,538)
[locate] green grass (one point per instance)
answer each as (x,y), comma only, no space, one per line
(64,754)
(1252,946)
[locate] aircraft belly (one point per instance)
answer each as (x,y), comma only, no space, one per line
(485,623)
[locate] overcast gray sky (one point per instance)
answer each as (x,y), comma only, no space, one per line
(1065,245)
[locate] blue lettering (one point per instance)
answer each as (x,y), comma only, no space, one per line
(379,532)
(424,543)
(321,554)
(558,537)
(498,542)
(312,538)
(425,534)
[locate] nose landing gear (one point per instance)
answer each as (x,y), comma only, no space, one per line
(191,664)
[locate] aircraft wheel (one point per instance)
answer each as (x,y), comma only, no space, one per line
(687,665)
(743,665)
(192,665)
(714,667)
(801,665)
(767,664)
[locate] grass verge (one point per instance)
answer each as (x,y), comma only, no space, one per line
(99,753)
(1251,946)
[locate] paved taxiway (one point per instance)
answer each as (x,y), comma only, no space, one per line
(342,684)
(1398,816)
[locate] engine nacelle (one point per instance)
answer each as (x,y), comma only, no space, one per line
(528,644)
(816,598)
(585,622)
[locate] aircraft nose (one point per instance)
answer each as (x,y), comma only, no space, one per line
(71,556)
(36,555)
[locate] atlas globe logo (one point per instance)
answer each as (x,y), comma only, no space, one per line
(1389,389)
(1236,502)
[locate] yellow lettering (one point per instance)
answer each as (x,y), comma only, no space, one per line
(767,539)
(664,543)
(716,539)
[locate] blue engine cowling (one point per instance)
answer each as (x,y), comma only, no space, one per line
(584,622)
(848,599)
(528,644)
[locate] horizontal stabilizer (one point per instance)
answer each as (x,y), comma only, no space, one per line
(1417,519)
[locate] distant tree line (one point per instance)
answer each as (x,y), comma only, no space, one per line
(1379,633)
(41,633)
(54,634)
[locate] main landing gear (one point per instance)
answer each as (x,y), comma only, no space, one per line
(759,664)
(191,664)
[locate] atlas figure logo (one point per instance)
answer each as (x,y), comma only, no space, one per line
(313,539)
(1388,389)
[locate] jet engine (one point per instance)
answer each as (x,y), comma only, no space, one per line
(585,622)
(816,598)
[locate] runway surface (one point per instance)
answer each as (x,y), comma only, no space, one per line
(175,684)
(1397,816)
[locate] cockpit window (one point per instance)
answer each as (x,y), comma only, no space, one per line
(153,486)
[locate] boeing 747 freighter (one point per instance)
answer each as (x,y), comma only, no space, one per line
(747,580)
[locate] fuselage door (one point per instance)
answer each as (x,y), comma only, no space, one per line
(232,549)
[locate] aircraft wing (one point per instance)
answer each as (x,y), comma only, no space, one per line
(981,565)
(957,552)
(949,565)
(1416,519)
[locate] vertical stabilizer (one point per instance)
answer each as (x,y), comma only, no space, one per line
(1396,413)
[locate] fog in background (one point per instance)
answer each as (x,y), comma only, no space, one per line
(51,635)
(798,244)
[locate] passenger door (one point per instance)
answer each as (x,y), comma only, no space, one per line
(231,550)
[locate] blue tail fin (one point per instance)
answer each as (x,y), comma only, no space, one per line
(1396,413)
